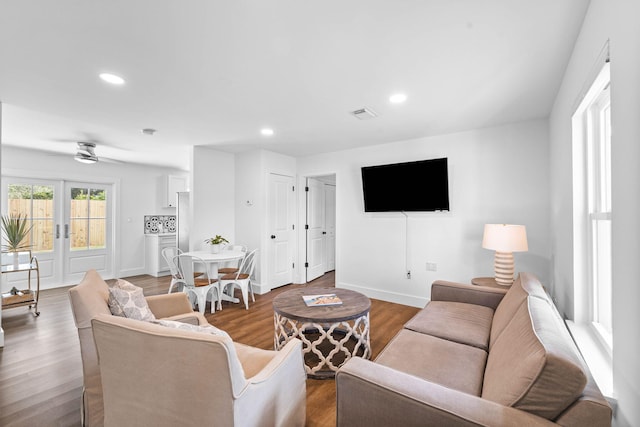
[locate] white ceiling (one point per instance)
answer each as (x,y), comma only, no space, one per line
(212,72)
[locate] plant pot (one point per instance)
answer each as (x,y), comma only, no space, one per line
(215,249)
(16,260)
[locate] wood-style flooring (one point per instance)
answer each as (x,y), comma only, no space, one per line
(41,369)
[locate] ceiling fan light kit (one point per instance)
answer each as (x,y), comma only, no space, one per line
(85,159)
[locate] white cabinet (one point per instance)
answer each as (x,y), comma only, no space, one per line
(155,262)
(169,186)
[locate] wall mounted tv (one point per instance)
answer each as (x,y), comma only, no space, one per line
(412,186)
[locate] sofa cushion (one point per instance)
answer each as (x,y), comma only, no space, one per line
(127,300)
(533,365)
(444,362)
(525,284)
(205,329)
(454,321)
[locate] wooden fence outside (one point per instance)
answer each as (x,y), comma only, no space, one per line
(85,232)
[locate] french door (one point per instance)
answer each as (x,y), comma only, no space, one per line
(71,226)
(86,230)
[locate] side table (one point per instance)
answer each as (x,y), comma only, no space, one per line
(488,282)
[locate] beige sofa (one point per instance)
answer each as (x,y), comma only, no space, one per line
(475,356)
(149,374)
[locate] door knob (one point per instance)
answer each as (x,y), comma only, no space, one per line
(324,232)
(273,236)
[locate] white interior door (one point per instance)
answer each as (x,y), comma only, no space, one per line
(87,230)
(316,257)
(281,230)
(330,226)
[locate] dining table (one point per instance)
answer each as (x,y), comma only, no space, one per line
(212,260)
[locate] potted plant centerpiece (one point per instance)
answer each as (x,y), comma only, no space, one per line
(15,229)
(216,243)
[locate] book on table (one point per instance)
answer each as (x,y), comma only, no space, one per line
(321,300)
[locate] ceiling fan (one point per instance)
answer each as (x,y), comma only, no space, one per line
(86,153)
(86,150)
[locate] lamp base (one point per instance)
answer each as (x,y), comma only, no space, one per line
(503,268)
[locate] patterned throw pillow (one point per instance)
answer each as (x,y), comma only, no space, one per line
(127,300)
(206,329)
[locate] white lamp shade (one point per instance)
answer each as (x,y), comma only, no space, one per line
(505,238)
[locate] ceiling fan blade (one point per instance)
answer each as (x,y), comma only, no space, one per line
(109,160)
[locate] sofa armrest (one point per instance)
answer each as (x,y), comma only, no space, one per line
(290,355)
(369,394)
(442,290)
(276,392)
(169,305)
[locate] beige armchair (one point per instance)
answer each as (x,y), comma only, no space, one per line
(158,376)
(89,299)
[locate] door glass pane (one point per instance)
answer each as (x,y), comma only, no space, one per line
(88,220)
(79,205)
(36,203)
(97,233)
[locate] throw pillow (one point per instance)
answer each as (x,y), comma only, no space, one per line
(207,329)
(127,300)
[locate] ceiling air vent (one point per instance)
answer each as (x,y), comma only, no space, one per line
(364,114)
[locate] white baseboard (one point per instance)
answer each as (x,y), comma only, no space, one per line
(259,288)
(129,272)
(404,299)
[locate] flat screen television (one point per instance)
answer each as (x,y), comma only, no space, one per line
(412,186)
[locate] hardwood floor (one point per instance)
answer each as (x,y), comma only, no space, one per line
(41,370)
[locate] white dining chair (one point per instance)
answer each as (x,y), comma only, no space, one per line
(202,288)
(169,254)
(232,266)
(241,278)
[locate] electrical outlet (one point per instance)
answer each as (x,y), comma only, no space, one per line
(432,266)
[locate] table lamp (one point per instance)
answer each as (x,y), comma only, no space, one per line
(504,239)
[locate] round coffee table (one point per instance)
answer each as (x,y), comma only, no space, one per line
(330,334)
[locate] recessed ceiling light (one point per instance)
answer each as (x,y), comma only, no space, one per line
(397,98)
(148,131)
(112,78)
(267,132)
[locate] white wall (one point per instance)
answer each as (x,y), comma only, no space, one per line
(136,195)
(212,196)
(616,21)
(496,175)
(250,205)
(252,177)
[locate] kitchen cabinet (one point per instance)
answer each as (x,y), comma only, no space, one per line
(169,186)
(155,263)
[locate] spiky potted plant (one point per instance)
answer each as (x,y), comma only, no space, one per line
(216,243)
(15,229)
